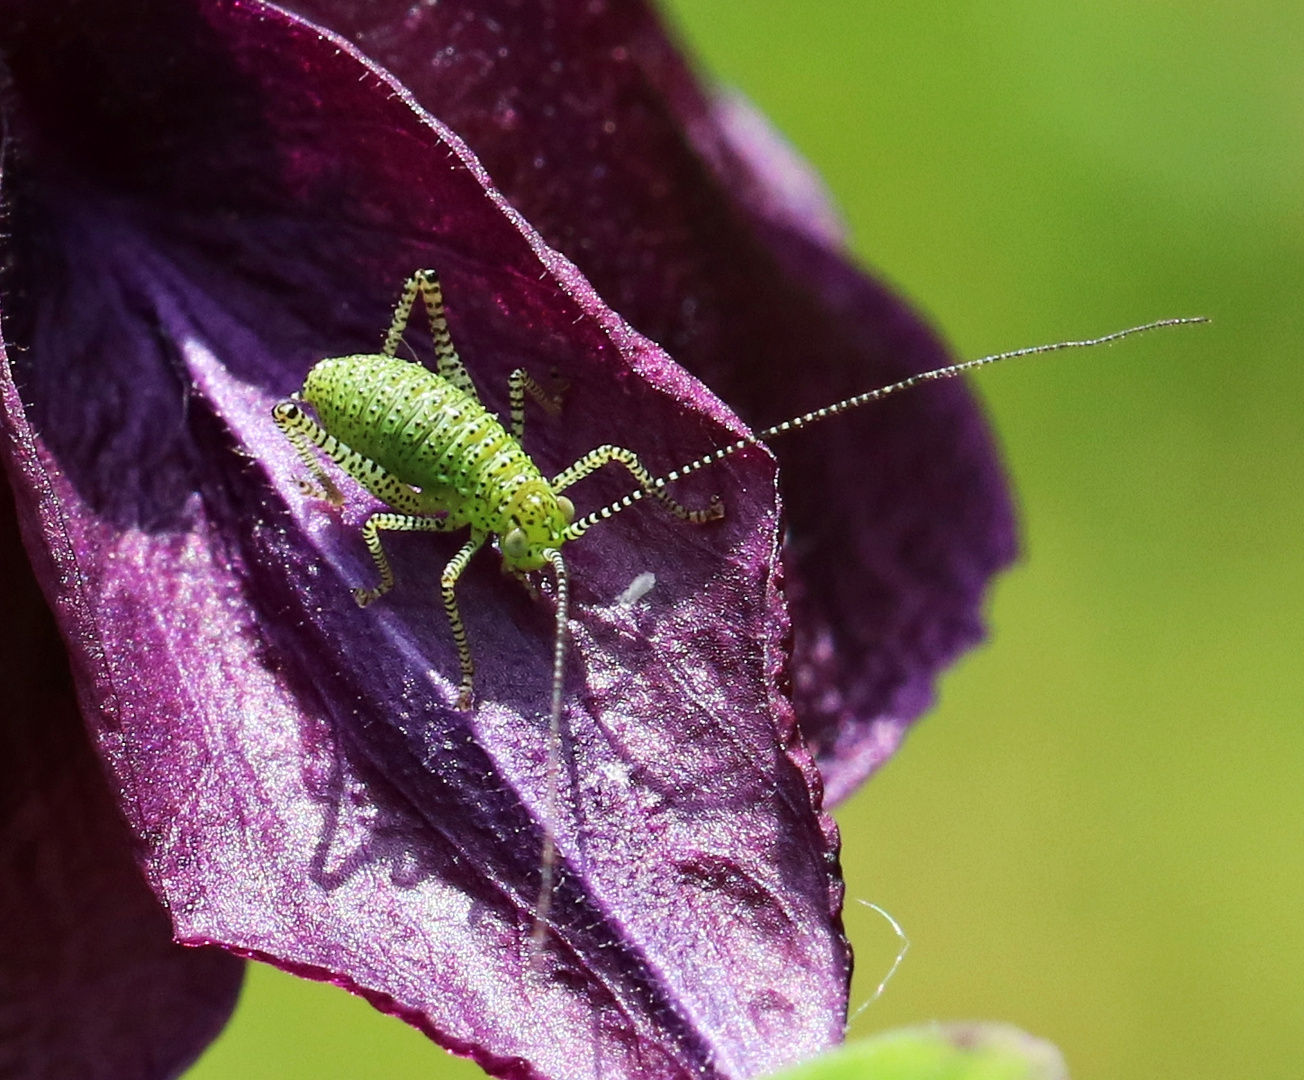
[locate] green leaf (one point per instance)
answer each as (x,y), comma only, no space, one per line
(965,1051)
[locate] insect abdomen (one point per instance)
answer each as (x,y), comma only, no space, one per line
(421,429)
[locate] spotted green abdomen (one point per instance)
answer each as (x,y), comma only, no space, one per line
(423,431)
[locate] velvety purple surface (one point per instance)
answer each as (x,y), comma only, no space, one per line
(693,221)
(91,983)
(205,198)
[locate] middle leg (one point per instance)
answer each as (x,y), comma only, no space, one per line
(448,587)
(390,522)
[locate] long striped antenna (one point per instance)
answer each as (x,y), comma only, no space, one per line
(951,371)
(548,861)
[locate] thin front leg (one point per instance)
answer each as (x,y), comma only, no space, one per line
(520,383)
(447,362)
(448,586)
(371,531)
(595,459)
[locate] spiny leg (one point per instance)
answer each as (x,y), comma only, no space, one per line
(520,383)
(388,522)
(595,459)
(304,433)
(447,362)
(448,586)
(447,582)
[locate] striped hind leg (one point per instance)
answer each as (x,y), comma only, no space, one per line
(425,283)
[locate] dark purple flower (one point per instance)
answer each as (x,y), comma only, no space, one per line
(703,229)
(204,198)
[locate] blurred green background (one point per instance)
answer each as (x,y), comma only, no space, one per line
(1098,834)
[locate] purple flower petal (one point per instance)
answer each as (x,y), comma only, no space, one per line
(690,221)
(91,984)
(209,197)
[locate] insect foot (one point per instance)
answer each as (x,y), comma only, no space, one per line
(326,492)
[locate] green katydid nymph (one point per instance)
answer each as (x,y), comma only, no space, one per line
(422,443)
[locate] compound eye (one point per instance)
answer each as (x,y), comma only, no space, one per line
(566,507)
(515,545)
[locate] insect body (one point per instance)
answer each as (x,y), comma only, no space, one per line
(431,451)
(422,443)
